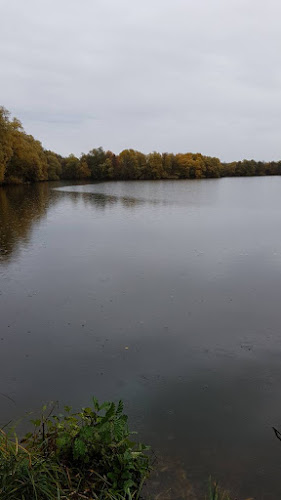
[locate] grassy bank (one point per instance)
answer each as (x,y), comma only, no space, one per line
(78,455)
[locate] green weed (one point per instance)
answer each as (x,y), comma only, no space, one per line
(86,454)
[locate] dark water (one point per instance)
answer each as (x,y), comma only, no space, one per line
(165,294)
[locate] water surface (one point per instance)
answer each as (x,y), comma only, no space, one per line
(165,294)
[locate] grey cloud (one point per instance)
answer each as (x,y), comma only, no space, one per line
(171,75)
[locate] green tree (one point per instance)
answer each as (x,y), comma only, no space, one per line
(107,169)
(94,159)
(213,166)
(70,167)
(154,168)
(129,164)
(54,165)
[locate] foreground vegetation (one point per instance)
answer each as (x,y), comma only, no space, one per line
(23,159)
(84,455)
(78,455)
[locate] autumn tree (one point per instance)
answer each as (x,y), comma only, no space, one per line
(94,159)
(28,162)
(129,164)
(5,141)
(154,167)
(23,159)
(169,166)
(83,170)
(70,167)
(54,165)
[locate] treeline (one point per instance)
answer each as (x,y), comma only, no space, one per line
(23,159)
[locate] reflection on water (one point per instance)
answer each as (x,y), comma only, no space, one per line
(23,206)
(20,208)
(102,201)
(186,275)
(132,193)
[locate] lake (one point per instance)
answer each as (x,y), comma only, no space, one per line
(166,294)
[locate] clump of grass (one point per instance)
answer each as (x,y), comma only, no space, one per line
(74,455)
(217,493)
(26,474)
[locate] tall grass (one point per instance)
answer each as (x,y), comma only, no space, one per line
(217,493)
(26,474)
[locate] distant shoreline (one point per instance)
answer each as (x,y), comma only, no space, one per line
(22,182)
(23,160)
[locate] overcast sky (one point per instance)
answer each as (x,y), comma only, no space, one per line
(166,75)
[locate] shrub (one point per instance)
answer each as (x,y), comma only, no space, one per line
(86,454)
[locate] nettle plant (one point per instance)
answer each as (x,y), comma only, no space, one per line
(93,449)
